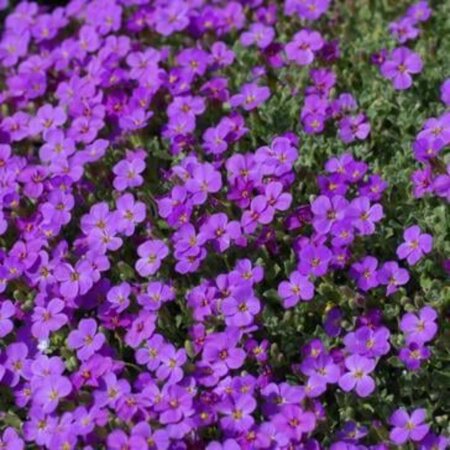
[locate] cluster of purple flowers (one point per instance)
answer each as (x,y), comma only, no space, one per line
(401,63)
(126,174)
(428,149)
(319,108)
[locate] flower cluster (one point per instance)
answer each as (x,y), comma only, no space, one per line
(401,63)
(428,149)
(180,267)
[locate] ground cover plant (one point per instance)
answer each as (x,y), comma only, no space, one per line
(225,225)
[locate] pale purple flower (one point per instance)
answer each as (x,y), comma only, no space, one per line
(240,308)
(85,339)
(408,427)
(416,245)
(364,215)
(250,96)
(302,48)
(258,34)
(151,254)
(7,312)
(421,327)
(51,392)
(297,288)
(357,377)
(48,319)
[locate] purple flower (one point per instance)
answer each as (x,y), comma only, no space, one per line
(307,9)
(205,180)
(408,427)
(422,181)
(57,208)
(222,232)
(365,272)
(354,127)
(151,255)
(416,245)
(250,96)
(357,377)
(157,293)
(228,444)
(445,92)
(427,148)
(432,441)
(364,215)
(260,212)
(413,355)
(48,319)
(85,339)
(420,11)
(10,440)
(129,214)
(171,17)
(240,308)
(142,327)
(294,422)
(322,368)
(276,198)
(52,390)
(303,47)
(399,66)
(404,29)
(7,312)
(17,364)
(369,342)
(258,34)
(47,119)
(237,413)
(297,288)
(171,362)
(221,349)
(150,354)
(332,322)
(314,259)
(128,173)
(327,212)
(392,276)
(74,281)
(176,404)
(420,328)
